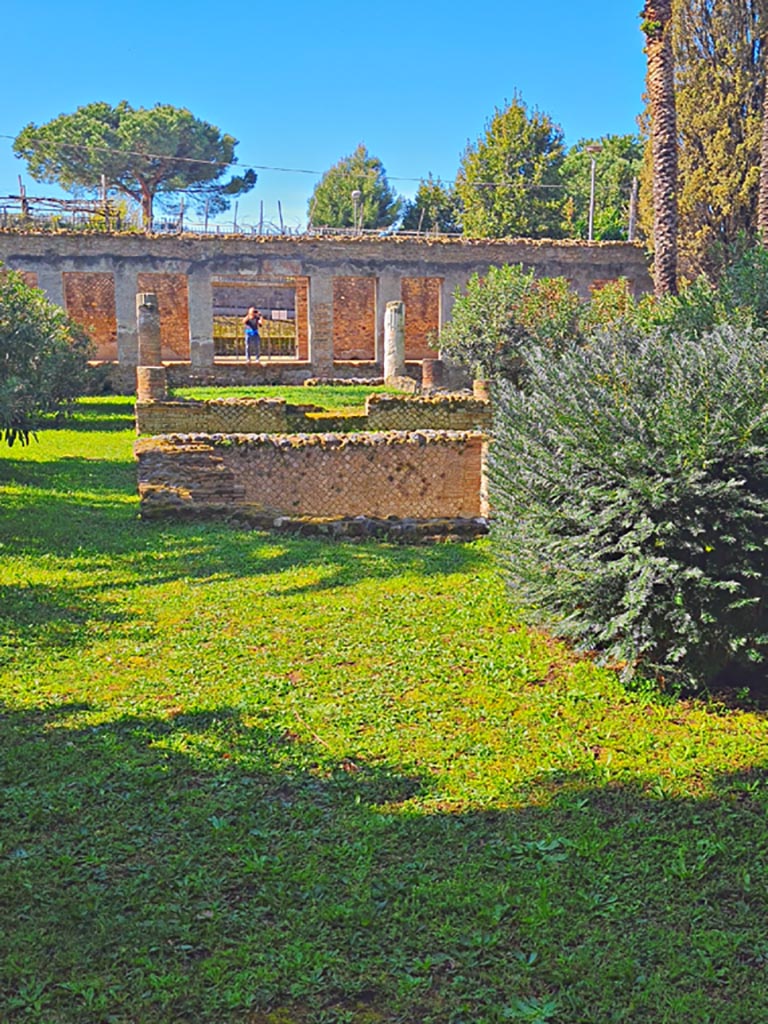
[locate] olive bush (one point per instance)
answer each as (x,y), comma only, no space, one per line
(629,481)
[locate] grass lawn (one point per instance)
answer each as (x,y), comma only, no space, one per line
(344,398)
(251,780)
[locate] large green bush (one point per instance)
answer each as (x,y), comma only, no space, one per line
(43,358)
(504,312)
(630,488)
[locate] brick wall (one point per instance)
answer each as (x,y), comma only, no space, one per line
(29,277)
(421,296)
(424,474)
(89,298)
(302,318)
(440,412)
(222,416)
(354,318)
(173,303)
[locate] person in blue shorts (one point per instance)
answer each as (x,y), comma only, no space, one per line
(253,321)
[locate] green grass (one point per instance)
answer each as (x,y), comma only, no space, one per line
(346,398)
(280,781)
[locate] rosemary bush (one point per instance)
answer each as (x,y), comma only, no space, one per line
(629,481)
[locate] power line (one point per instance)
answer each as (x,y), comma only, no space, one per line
(284,170)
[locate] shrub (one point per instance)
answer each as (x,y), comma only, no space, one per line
(43,358)
(630,487)
(502,314)
(483,333)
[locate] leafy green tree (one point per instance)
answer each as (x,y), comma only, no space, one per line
(142,153)
(333,205)
(435,207)
(43,358)
(509,182)
(617,163)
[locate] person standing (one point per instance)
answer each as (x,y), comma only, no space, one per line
(253,321)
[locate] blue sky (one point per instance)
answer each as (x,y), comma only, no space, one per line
(301,84)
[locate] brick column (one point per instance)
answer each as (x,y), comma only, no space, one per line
(151,384)
(201,350)
(125,314)
(148,329)
(321,324)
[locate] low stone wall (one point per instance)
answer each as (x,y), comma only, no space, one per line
(275,416)
(436,412)
(417,476)
(216,416)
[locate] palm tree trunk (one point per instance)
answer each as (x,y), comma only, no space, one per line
(657,19)
(762,200)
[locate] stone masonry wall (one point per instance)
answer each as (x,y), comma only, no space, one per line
(275,416)
(217,416)
(342,284)
(438,412)
(424,474)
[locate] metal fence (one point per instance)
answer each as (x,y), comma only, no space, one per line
(43,213)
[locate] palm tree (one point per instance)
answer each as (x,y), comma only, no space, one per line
(762,198)
(657,25)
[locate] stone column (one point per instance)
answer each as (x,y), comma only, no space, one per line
(148,329)
(387,290)
(321,324)
(394,340)
(125,314)
(201,349)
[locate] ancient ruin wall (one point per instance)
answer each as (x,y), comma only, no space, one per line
(437,412)
(274,415)
(216,416)
(421,475)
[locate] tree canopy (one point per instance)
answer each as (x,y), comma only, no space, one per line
(142,153)
(508,182)
(435,207)
(43,357)
(617,163)
(333,205)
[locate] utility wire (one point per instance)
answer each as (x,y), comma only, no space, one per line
(282,170)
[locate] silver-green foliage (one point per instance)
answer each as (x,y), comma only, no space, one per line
(630,487)
(502,313)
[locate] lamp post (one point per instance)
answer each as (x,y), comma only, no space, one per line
(593,150)
(357,195)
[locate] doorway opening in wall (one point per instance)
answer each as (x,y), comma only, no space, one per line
(275,300)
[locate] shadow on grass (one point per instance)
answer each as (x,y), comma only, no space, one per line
(81,516)
(109,416)
(69,473)
(202,868)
